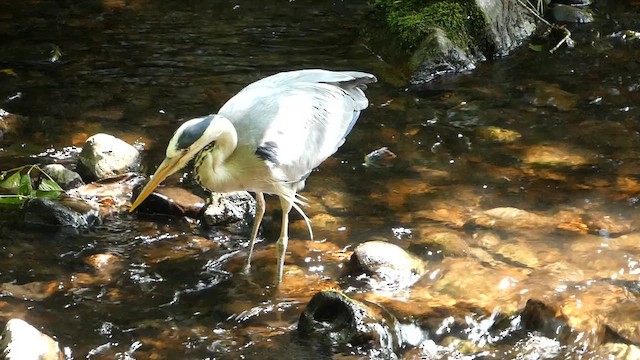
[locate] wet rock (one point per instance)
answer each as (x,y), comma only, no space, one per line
(68,214)
(445,243)
(10,124)
(509,218)
(620,351)
(237,209)
(180,248)
(448,58)
(509,24)
(112,193)
(450,37)
(33,291)
(570,14)
(170,200)
(388,265)
(21,341)
(380,158)
(586,316)
(107,266)
(469,281)
(337,318)
(544,94)
(497,134)
(105,156)
(606,134)
(608,225)
(66,178)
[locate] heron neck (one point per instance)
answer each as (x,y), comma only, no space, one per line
(226,142)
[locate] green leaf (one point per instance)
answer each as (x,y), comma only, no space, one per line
(49,185)
(12,182)
(26,188)
(12,199)
(52,195)
(536,48)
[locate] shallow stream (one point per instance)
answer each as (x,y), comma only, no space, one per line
(554,135)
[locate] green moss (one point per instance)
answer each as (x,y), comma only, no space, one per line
(413,20)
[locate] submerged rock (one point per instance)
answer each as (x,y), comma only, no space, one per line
(388,265)
(10,124)
(21,341)
(334,316)
(497,134)
(105,156)
(67,179)
(111,193)
(68,214)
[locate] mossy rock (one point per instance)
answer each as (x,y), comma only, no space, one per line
(413,20)
(442,36)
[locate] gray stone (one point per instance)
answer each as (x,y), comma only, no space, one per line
(105,156)
(227,208)
(333,316)
(509,24)
(66,178)
(570,14)
(438,55)
(21,341)
(70,214)
(389,265)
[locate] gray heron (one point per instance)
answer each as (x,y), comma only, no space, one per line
(267,139)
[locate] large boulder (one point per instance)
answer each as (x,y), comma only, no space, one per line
(452,36)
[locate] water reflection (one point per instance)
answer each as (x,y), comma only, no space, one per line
(531,162)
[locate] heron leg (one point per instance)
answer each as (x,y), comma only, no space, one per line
(281,245)
(260,206)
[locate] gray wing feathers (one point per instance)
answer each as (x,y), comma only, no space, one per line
(300,117)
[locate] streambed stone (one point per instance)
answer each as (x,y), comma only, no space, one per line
(388,265)
(105,156)
(67,179)
(171,200)
(70,214)
(21,341)
(235,210)
(555,155)
(587,315)
(570,14)
(510,218)
(334,316)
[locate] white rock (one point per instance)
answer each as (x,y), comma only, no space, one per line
(21,341)
(105,156)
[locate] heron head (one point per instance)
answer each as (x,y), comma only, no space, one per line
(188,140)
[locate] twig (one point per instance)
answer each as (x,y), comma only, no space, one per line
(566,39)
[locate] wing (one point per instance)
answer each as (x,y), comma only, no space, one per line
(296,120)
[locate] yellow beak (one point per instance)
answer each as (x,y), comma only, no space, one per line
(166,168)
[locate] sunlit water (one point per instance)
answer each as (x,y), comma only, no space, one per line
(137,71)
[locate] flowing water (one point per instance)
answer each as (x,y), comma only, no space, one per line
(136,69)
